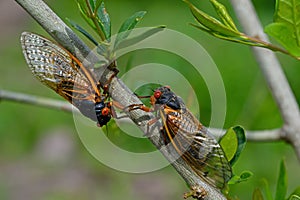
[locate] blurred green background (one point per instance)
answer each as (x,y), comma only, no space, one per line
(42,157)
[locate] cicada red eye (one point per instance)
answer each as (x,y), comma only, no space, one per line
(105,111)
(157,94)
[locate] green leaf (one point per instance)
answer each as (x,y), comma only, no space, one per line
(244,176)
(286,26)
(82,7)
(211,23)
(103,49)
(284,35)
(281,182)
(257,194)
(226,30)
(84,13)
(233,143)
(267,190)
(134,40)
(234,180)
(296,194)
(241,139)
(104,20)
(229,143)
(127,26)
(84,32)
(92,4)
(294,197)
(223,14)
(98,3)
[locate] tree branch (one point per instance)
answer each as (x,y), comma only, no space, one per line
(34,100)
(118,91)
(273,74)
(255,136)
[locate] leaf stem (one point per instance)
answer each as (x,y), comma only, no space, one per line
(269,46)
(93,15)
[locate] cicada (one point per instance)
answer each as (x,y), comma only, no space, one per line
(58,69)
(187,138)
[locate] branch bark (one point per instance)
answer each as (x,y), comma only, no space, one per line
(34,100)
(118,91)
(255,136)
(273,74)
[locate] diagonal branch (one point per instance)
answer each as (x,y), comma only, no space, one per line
(273,74)
(118,91)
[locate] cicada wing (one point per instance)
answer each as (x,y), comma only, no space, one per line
(209,158)
(197,147)
(62,72)
(56,68)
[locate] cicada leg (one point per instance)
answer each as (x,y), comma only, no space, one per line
(106,85)
(146,109)
(115,104)
(140,107)
(197,192)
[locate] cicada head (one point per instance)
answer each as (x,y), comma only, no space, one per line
(164,96)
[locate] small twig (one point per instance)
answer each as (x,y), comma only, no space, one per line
(268,45)
(38,101)
(255,136)
(264,135)
(117,90)
(273,74)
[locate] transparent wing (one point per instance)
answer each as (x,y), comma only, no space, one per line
(58,69)
(196,146)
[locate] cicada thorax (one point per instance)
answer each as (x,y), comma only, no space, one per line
(187,138)
(58,69)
